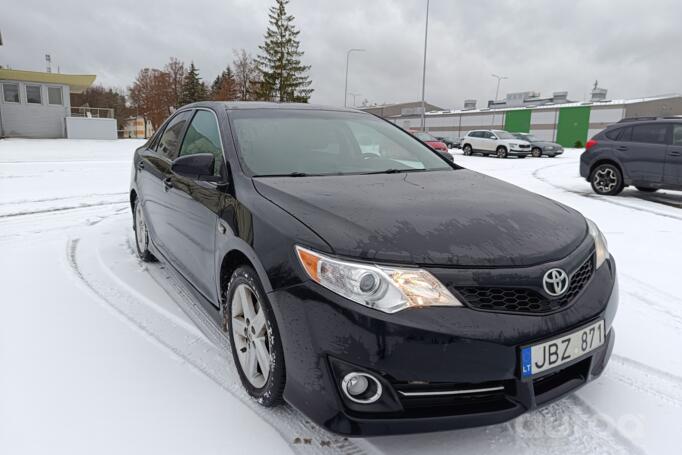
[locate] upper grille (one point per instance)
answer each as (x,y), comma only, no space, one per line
(524,300)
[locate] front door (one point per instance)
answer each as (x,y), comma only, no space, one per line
(673,161)
(193,205)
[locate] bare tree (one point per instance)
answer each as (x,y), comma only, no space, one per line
(152,96)
(246,75)
(176,72)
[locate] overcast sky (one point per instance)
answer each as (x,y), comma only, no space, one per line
(632,47)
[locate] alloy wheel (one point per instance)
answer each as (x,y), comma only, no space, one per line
(250,335)
(536,152)
(142,238)
(605,180)
(501,152)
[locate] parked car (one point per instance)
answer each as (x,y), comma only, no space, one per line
(539,147)
(494,142)
(434,143)
(646,154)
(451,142)
(352,284)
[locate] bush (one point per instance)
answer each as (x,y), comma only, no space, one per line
(578,145)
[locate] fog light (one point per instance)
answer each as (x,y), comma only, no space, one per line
(361,387)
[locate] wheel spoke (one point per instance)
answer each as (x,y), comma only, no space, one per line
(246,302)
(263,356)
(251,363)
(258,323)
(239,326)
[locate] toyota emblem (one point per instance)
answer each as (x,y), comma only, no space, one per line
(555,282)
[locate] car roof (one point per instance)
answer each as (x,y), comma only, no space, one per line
(244,105)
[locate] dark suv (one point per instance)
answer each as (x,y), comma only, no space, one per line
(644,153)
(365,279)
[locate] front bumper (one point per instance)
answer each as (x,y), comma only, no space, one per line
(429,349)
(516,152)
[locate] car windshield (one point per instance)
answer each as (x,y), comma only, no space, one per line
(424,137)
(503,135)
(291,142)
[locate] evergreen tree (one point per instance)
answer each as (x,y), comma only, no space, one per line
(283,76)
(224,87)
(193,89)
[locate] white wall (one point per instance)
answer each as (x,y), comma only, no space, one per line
(90,128)
(609,115)
(34,120)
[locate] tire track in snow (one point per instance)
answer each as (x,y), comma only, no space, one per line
(62,209)
(211,359)
(662,385)
(608,199)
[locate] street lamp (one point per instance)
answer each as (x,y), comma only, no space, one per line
(345,90)
(426,37)
(499,78)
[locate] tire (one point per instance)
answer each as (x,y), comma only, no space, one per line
(467,150)
(606,179)
(141,233)
(254,337)
(536,152)
(646,189)
(501,152)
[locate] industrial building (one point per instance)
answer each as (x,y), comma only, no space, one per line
(553,118)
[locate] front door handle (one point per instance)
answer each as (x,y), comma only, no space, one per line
(622,148)
(167,184)
(674,153)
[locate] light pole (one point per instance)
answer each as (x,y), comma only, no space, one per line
(345,90)
(499,78)
(426,37)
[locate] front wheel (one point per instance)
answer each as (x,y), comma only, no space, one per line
(141,233)
(536,152)
(501,152)
(254,337)
(467,150)
(606,179)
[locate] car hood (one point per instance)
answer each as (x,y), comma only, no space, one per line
(447,218)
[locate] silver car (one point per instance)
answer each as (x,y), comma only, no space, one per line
(540,147)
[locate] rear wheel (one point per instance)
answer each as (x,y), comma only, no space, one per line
(467,150)
(607,179)
(254,336)
(141,233)
(646,189)
(536,152)
(501,152)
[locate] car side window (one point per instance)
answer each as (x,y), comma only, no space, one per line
(487,135)
(613,134)
(653,133)
(677,134)
(169,143)
(203,136)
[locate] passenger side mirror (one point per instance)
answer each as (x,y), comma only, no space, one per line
(198,166)
(493,137)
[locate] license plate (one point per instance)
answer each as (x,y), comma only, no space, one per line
(551,354)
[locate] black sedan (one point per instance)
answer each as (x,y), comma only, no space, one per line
(540,147)
(373,284)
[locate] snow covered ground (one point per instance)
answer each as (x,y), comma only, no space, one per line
(100,353)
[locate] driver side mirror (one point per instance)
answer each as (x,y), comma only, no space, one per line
(493,137)
(198,166)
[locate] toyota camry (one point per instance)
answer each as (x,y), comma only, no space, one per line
(365,279)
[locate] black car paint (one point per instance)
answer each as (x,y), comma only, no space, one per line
(213,225)
(642,164)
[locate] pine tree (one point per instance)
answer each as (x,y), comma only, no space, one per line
(193,89)
(283,76)
(224,87)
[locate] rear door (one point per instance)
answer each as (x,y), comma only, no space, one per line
(156,163)
(644,154)
(673,163)
(192,207)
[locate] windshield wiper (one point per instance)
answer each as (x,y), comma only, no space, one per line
(291,174)
(394,171)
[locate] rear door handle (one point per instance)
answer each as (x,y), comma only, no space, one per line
(622,148)
(674,153)
(167,184)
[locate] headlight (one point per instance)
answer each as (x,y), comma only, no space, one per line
(388,289)
(600,245)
